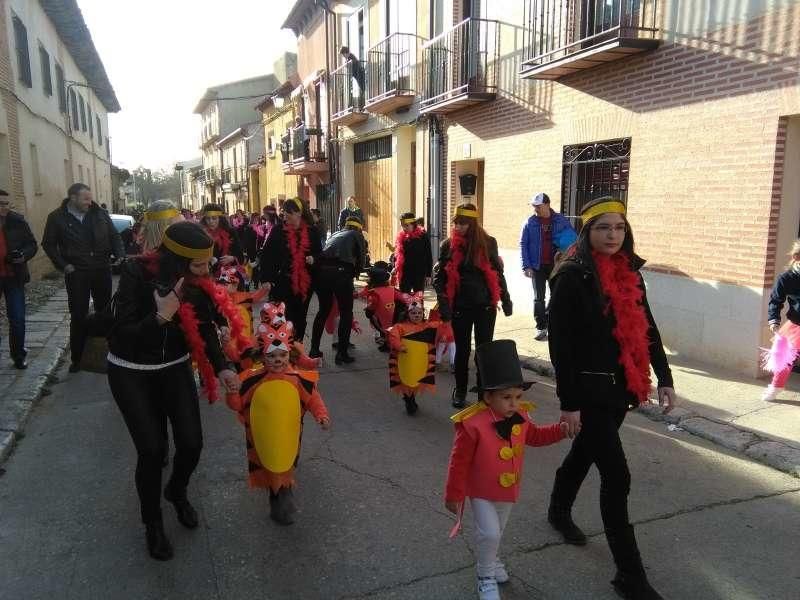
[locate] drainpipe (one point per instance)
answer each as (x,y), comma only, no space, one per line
(435,184)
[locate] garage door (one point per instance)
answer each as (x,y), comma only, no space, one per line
(373,191)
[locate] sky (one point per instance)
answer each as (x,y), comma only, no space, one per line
(161,55)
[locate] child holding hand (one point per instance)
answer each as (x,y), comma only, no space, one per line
(487,457)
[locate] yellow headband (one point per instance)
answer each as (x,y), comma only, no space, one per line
(213,213)
(297,203)
(408,221)
(186,252)
(353,223)
(466,212)
(612,206)
(160,215)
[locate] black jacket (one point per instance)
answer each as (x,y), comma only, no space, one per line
(583,349)
(275,260)
(346,213)
(472,290)
(787,287)
(137,336)
(346,246)
(19,238)
(418,259)
(87,245)
(249,240)
(235,249)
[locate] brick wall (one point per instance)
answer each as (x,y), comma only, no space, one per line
(704,115)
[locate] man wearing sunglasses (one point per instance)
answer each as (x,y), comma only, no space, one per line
(17,247)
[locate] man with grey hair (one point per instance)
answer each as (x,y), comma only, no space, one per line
(80,238)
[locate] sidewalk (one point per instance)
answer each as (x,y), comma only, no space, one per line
(46,337)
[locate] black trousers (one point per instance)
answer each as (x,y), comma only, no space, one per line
(597,443)
(334,281)
(81,285)
(540,279)
(146,400)
(481,320)
(296,311)
(412,283)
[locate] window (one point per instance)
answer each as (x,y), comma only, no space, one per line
(89,118)
(68,180)
(108,149)
(80,173)
(73,100)
(89,177)
(23,54)
(62,91)
(83,112)
(99,130)
(373,149)
(37,176)
(47,80)
(591,171)
(271,143)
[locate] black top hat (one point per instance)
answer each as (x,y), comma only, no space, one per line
(498,365)
(379,273)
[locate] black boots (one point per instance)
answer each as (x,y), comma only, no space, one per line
(342,357)
(630,581)
(561,520)
(411,404)
(157,542)
(187,516)
(315,353)
(459,399)
(282,507)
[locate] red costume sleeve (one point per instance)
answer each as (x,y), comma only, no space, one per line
(543,435)
(306,363)
(394,337)
(314,404)
(464,445)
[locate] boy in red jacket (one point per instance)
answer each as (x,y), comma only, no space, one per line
(488,453)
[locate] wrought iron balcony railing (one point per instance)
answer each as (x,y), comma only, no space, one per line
(565,36)
(304,151)
(459,67)
(392,68)
(349,89)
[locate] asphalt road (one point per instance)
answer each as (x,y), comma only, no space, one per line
(711,525)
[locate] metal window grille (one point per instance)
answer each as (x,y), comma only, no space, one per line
(47,79)
(23,53)
(373,149)
(591,171)
(62,91)
(73,100)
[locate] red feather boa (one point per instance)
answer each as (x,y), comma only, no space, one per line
(458,244)
(222,240)
(190,325)
(622,287)
(299,245)
(400,250)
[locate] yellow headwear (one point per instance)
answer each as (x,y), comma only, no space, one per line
(610,206)
(213,213)
(409,221)
(297,203)
(185,251)
(466,212)
(160,215)
(353,223)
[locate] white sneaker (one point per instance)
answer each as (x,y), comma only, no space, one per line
(771,393)
(487,588)
(500,573)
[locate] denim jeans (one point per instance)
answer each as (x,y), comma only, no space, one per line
(14,293)
(540,279)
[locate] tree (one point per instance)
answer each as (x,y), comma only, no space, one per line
(156,185)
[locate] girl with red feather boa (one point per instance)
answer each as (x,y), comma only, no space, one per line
(413,260)
(287,259)
(227,247)
(166,312)
(603,340)
(469,284)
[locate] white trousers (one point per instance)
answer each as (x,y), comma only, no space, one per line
(490,521)
(443,347)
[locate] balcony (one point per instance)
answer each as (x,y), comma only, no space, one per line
(348,86)
(392,66)
(459,67)
(303,153)
(209,176)
(568,36)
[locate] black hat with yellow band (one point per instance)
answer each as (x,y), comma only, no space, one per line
(188,240)
(213,210)
(466,211)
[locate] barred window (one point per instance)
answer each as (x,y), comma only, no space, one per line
(594,170)
(373,149)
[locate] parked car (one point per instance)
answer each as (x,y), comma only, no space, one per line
(122,223)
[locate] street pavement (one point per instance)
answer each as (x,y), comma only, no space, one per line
(711,523)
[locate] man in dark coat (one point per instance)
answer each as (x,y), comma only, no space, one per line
(17,247)
(80,238)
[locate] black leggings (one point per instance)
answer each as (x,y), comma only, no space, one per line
(296,312)
(146,399)
(597,443)
(464,320)
(334,281)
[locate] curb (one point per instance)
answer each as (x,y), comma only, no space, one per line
(21,397)
(765,450)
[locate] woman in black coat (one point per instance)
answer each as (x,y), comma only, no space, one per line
(469,283)
(603,340)
(287,260)
(166,315)
(227,246)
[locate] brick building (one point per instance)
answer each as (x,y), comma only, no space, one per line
(688,112)
(56,97)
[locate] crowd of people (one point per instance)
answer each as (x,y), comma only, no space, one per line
(228,297)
